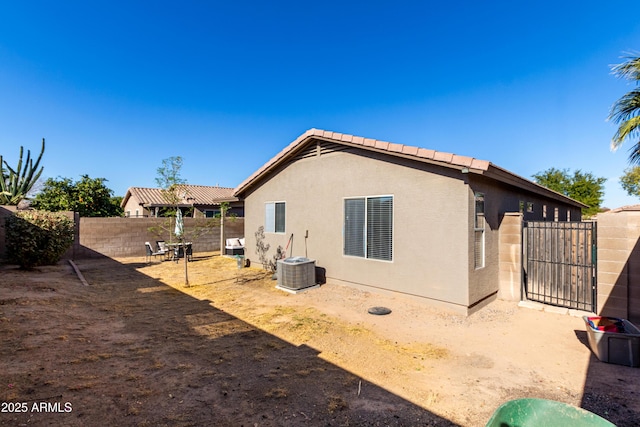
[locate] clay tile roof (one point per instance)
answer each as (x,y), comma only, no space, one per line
(425,153)
(626,208)
(443,157)
(397,148)
(463,163)
(412,151)
(462,160)
(367,143)
(382,145)
(191,195)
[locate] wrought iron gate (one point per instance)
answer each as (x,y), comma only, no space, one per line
(559,263)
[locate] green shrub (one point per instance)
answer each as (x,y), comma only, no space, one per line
(37,237)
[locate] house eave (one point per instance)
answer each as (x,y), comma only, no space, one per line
(447,160)
(499,174)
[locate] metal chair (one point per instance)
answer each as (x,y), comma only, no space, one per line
(150,251)
(163,249)
(181,250)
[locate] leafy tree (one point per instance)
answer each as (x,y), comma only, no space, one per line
(90,197)
(15,184)
(581,186)
(626,111)
(630,181)
(172,185)
(173,190)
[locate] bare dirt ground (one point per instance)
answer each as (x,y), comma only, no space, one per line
(138,348)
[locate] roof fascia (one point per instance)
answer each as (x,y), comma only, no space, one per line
(503,175)
(285,156)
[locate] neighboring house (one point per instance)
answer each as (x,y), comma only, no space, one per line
(393,217)
(200,200)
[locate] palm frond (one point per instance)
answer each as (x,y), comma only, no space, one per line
(628,106)
(628,129)
(630,69)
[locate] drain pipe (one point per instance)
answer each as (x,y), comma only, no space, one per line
(288,243)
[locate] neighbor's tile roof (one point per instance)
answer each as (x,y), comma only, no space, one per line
(193,195)
(421,154)
(625,208)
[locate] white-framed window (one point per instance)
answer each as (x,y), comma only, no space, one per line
(478,231)
(274,220)
(368,227)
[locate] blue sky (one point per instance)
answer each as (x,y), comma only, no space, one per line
(115,87)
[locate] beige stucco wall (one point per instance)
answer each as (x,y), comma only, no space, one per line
(430,242)
(132,205)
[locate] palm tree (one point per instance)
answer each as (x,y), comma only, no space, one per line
(626,111)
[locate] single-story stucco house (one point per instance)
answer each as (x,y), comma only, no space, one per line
(394,217)
(201,201)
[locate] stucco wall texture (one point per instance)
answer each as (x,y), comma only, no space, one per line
(430,231)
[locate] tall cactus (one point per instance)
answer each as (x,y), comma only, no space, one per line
(16,183)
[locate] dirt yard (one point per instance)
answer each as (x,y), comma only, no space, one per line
(137,348)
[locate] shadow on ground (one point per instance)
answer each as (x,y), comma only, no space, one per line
(614,404)
(131,350)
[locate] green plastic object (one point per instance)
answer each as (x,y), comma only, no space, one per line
(542,412)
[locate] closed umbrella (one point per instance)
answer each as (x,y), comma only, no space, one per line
(179,224)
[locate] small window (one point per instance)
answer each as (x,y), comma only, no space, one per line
(556,214)
(274,217)
(209,213)
(478,231)
(368,227)
(529,207)
(544,212)
(568,215)
(521,206)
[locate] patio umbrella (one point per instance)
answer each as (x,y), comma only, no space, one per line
(179,224)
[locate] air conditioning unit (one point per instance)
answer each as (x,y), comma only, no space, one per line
(296,273)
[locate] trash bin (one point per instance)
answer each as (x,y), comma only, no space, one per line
(240,261)
(542,412)
(614,340)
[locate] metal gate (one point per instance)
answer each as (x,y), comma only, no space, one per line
(559,263)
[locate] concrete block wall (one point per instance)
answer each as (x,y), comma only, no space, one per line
(125,237)
(619,264)
(510,247)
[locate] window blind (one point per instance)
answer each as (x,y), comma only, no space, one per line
(279,219)
(379,228)
(354,227)
(368,227)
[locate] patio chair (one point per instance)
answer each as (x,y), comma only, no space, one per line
(150,252)
(234,246)
(163,249)
(179,252)
(189,251)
